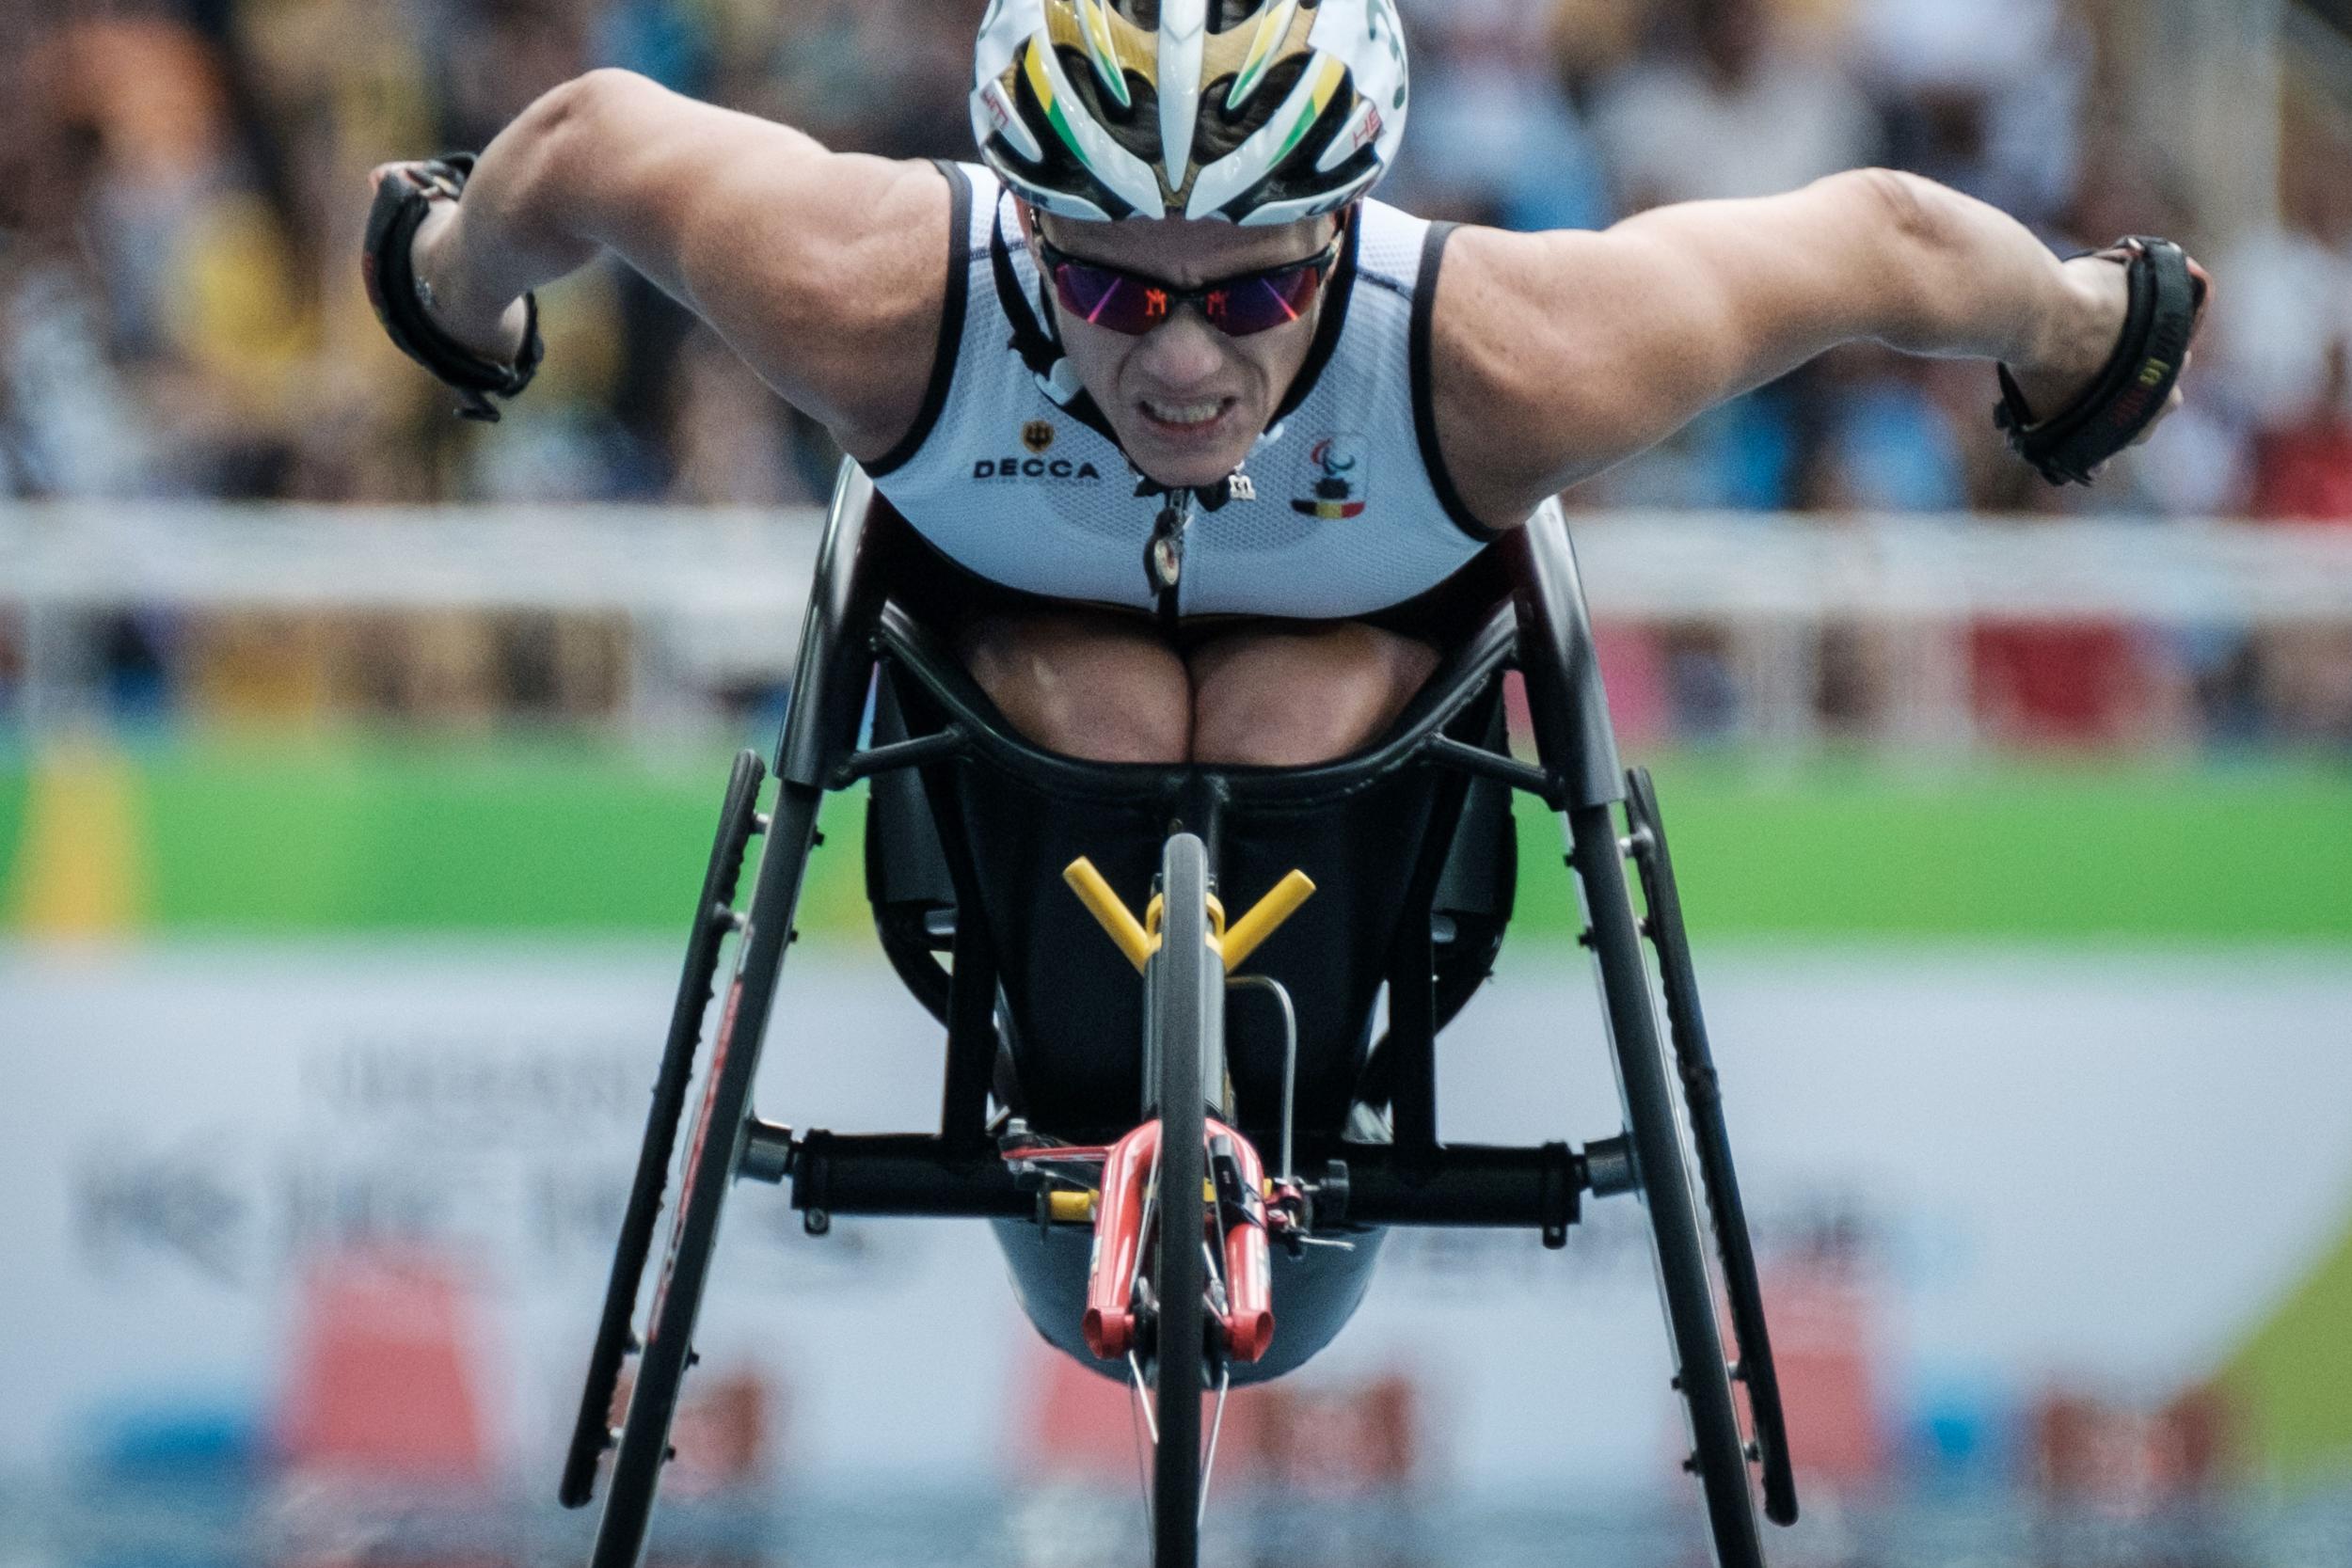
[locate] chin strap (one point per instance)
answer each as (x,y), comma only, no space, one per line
(1034,340)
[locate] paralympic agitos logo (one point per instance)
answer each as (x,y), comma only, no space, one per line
(1343,473)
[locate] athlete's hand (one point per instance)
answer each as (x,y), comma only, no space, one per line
(494,330)
(2080,333)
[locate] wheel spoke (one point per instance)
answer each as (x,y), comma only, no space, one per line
(1143,1399)
(1216,1426)
(1139,1421)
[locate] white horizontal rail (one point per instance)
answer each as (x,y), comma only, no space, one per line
(679,565)
(1667,565)
(630,560)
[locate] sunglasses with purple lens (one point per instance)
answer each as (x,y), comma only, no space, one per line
(1239,306)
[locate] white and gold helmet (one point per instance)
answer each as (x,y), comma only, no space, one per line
(1251,111)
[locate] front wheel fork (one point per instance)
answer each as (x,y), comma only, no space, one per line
(1234,1195)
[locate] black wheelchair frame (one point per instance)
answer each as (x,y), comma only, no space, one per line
(941,757)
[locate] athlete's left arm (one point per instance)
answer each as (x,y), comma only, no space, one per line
(1557,355)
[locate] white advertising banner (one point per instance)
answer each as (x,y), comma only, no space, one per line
(2095,1171)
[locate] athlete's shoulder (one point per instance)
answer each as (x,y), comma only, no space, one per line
(832,279)
(1529,391)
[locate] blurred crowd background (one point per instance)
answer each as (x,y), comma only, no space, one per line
(277,988)
(181,184)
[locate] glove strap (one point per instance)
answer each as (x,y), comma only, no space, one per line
(403,198)
(2166,298)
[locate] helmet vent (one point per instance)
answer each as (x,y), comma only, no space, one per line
(1224,15)
(1060,170)
(1221,129)
(1136,123)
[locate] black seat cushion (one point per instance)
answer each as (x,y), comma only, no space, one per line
(1074,1004)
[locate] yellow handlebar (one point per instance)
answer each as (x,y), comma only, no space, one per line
(1244,935)
(1139,940)
(1118,922)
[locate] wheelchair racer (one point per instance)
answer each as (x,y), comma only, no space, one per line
(1194,424)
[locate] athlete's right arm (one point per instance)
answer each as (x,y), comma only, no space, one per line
(1557,355)
(823,271)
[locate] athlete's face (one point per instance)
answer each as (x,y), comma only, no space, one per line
(1188,402)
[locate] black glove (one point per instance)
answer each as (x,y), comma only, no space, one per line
(404,194)
(2165,300)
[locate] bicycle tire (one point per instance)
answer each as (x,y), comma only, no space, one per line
(1186,1017)
(714,1149)
(591,1432)
(1669,1196)
(1711,1138)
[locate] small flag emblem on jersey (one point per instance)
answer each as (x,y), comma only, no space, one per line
(1038,434)
(1343,478)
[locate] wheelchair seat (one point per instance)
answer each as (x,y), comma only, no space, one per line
(1414,864)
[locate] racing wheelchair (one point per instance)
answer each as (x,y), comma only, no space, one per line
(1110,1081)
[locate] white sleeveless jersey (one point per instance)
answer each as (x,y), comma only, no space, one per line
(1347,507)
